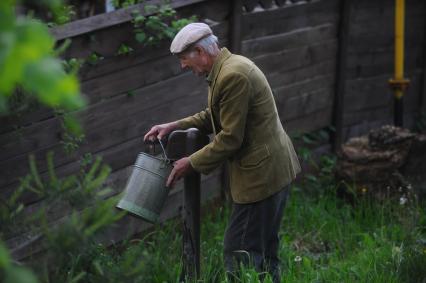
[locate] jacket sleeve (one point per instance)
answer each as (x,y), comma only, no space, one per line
(233,102)
(200,121)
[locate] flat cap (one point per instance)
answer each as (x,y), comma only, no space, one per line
(188,35)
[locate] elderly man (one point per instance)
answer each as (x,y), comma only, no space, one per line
(243,117)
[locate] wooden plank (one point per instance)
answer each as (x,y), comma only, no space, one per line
(374,92)
(281,79)
(367,93)
(365,11)
(116,63)
(106,20)
(130,121)
(46,132)
(293,39)
(121,114)
(368,116)
(309,123)
(100,43)
(131,78)
(303,105)
(289,17)
(309,84)
(102,132)
(367,41)
(296,58)
(16,121)
(379,61)
(356,130)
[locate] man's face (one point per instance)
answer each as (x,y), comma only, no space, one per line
(193,60)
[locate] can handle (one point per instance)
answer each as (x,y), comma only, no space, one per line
(164,151)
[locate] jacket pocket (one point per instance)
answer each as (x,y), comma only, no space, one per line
(254,157)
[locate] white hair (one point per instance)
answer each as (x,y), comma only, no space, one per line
(209,44)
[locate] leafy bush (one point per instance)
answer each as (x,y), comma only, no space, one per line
(27,61)
(73,211)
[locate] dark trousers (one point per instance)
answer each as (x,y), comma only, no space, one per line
(251,237)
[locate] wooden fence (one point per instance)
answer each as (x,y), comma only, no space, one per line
(328,62)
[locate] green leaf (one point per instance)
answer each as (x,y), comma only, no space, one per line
(141,37)
(53,86)
(19,274)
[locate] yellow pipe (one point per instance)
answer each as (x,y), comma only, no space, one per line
(399,83)
(399,39)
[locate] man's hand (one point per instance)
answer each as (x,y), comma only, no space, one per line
(159,131)
(180,169)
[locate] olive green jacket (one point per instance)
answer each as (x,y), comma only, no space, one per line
(247,131)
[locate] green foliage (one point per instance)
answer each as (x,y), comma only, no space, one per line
(72,65)
(324,239)
(163,24)
(85,208)
(125,3)
(64,14)
(27,61)
(94,58)
(124,49)
(10,272)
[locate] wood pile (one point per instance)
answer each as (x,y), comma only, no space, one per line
(383,163)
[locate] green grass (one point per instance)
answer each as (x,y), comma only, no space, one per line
(324,239)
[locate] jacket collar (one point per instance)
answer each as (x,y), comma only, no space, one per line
(217,65)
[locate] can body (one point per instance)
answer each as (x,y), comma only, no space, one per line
(146,190)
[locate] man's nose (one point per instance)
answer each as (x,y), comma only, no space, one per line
(183,65)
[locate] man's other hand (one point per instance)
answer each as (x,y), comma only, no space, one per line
(180,169)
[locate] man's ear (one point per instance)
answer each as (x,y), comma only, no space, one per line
(199,50)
